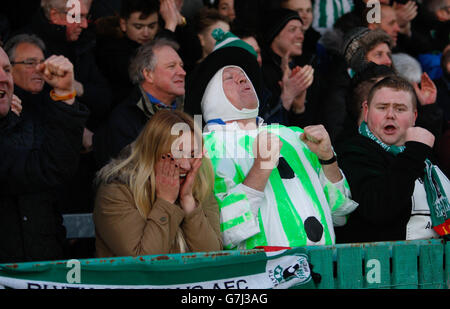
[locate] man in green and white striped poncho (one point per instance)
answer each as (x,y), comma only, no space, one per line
(275,185)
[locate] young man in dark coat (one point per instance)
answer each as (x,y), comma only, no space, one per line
(281,66)
(33,166)
(390,172)
(118,38)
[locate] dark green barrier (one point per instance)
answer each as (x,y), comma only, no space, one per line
(423,264)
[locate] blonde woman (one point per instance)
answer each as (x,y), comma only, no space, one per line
(157,197)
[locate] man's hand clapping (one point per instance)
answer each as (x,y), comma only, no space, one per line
(294,85)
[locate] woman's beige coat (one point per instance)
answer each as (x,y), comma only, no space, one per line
(121,230)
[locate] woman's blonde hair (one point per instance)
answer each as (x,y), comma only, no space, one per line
(138,168)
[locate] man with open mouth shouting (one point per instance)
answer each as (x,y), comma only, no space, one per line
(402,194)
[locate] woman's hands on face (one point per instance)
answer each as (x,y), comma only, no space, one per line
(187,200)
(167,178)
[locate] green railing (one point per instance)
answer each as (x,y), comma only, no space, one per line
(420,264)
(423,264)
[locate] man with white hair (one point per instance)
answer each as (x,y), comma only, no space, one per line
(64,30)
(158,77)
(275,185)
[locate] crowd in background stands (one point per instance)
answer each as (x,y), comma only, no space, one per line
(319,73)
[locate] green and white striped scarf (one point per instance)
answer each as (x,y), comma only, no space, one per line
(437,199)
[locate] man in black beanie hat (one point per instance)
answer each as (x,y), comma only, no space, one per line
(289,78)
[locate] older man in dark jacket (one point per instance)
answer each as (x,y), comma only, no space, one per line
(159,78)
(65,31)
(32,166)
(76,42)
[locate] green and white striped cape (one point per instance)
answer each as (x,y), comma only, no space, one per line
(250,218)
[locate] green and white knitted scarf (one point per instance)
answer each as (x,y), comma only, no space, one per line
(437,199)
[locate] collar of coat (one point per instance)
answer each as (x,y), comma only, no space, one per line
(149,109)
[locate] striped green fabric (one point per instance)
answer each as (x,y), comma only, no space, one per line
(289,152)
(326,12)
(276,216)
(252,269)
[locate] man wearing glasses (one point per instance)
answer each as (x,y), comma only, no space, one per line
(25,52)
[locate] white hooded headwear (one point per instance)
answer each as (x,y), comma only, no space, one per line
(216,106)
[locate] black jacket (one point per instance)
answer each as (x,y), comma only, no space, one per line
(443,96)
(37,156)
(334,106)
(97,94)
(429,34)
(113,57)
(383,185)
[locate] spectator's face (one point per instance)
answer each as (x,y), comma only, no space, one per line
(389,23)
(168,75)
(443,14)
(253,43)
(184,150)
(206,39)
(226,8)
(380,54)
(238,89)
(6,84)
(304,9)
(73,29)
(290,39)
(389,115)
(25,75)
(140,30)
